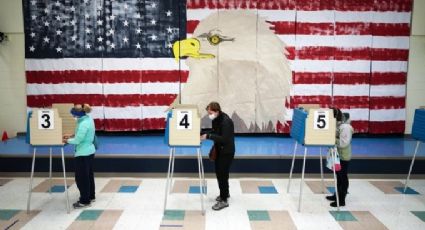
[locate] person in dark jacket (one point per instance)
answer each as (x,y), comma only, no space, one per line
(223,135)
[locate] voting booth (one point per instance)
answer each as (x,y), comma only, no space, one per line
(312,127)
(45,129)
(183,129)
(418,133)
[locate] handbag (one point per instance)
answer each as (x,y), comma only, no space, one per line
(333,162)
(213,153)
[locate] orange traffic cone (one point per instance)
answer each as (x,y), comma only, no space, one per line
(4,137)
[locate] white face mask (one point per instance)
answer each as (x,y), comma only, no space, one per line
(212,116)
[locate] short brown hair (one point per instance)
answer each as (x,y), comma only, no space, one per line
(213,106)
(83,107)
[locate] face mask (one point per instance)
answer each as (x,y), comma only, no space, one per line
(212,116)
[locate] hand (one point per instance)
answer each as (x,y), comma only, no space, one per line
(65,139)
(203,137)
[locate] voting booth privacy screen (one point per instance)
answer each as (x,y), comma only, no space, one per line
(183,126)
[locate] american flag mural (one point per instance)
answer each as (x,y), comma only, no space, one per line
(117,56)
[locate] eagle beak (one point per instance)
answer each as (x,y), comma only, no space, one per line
(189,48)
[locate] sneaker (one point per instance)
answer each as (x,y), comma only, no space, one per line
(341,204)
(93,200)
(331,198)
(218,198)
(220,205)
(78,205)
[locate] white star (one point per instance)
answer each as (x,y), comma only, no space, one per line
(46,39)
(34,17)
(112,17)
(153,5)
(111,31)
(32,48)
(58,32)
(125,23)
(88,46)
(46,24)
(125,39)
(169,30)
(86,1)
(138,15)
(169,13)
(33,2)
(100,39)
(73,22)
(112,45)
(88,31)
(73,38)
(32,34)
(125,6)
(72,9)
(99,22)
(153,37)
(57,3)
(153,22)
(138,46)
(58,49)
(169,45)
(138,31)
(87,16)
(46,11)
(58,18)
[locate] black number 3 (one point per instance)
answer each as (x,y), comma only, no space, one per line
(321,122)
(184,122)
(46,123)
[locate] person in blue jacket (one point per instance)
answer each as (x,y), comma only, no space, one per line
(83,139)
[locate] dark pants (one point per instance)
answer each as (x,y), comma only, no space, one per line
(84,178)
(342,180)
(222,168)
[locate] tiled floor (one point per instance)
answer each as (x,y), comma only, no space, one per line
(260,203)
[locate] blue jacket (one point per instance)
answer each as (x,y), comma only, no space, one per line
(84,136)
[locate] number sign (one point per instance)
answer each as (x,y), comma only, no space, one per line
(321,120)
(46,119)
(184,120)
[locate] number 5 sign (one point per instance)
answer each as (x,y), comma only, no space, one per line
(321,120)
(184,120)
(46,119)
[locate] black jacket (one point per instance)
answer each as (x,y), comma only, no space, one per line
(223,134)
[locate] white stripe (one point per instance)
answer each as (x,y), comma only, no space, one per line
(351,90)
(372,16)
(353,40)
(96,113)
(316,16)
(199,14)
(358,66)
(389,66)
(357,114)
(278,15)
(154,111)
(288,39)
(394,42)
(104,64)
(128,112)
(65,88)
(388,115)
(122,88)
(388,90)
(312,89)
(160,88)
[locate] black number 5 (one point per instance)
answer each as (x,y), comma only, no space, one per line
(321,122)
(46,123)
(184,122)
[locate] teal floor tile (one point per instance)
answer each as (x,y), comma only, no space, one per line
(58,188)
(258,215)
(174,215)
(267,189)
(420,215)
(7,214)
(128,189)
(196,189)
(331,189)
(343,216)
(89,215)
(409,191)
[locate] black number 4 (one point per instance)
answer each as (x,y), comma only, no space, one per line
(46,123)
(321,122)
(184,122)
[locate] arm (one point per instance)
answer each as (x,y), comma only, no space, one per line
(345,136)
(79,136)
(227,131)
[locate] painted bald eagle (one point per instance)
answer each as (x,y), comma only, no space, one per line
(236,59)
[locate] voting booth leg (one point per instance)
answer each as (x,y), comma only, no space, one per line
(31,179)
(321,171)
(50,170)
(168,178)
(411,166)
(201,180)
(335,183)
(173,160)
(292,167)
(64,180)
(204,182)
(302,180)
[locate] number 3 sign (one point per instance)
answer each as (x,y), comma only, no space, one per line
(184,120)
(321,120)
(46,119)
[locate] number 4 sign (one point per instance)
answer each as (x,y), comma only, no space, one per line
(184,120)
(321,120)
(46,119)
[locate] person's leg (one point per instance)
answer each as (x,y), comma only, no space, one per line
(342,184)
(91,176)
(84,180)
(223,167)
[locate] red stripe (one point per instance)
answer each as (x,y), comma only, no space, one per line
(70,76)
(386,127)
(349,54)
(354,5)
(389,54)
(390,29)
(312,78)
(158,99)
(309,28)
(290,52)
(387,102)
(40,101)
(283,27)
(324,101)
(314,5)
(351,78)
(360,126)
(352,28)
(351,102)
(315,53)
(153,123)
(388,78)
(98,123)
(191,26)
(241,4)
(394,5)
